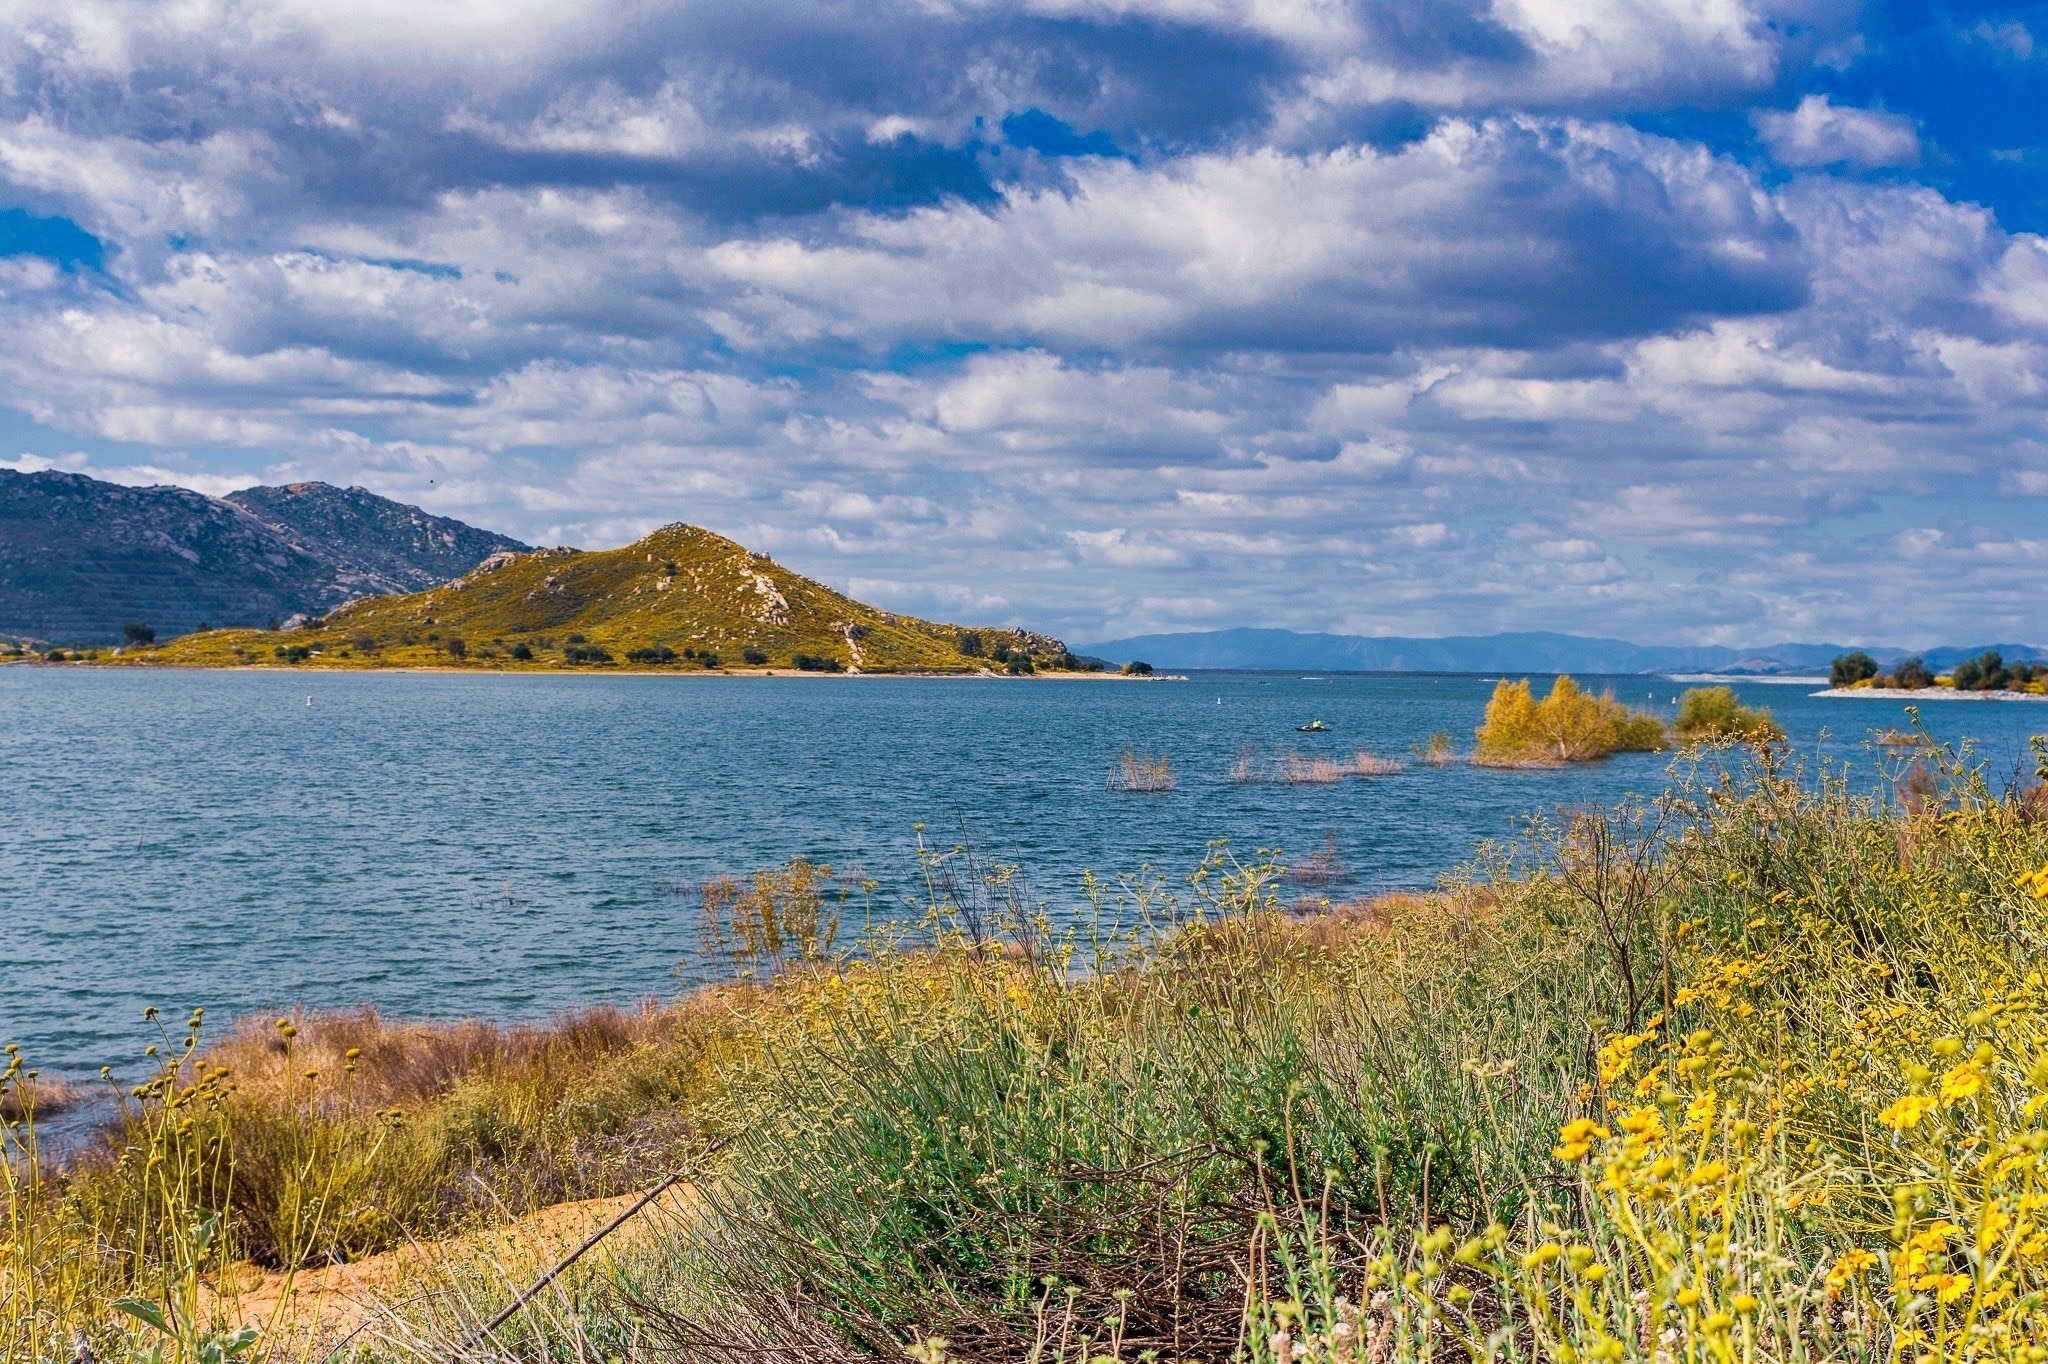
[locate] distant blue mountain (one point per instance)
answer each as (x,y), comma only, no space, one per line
(1531,651)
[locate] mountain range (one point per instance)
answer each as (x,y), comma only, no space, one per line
(80,557)
(1533,651)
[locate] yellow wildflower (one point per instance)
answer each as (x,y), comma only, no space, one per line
(1907,1112)
(1644,1123)
(1576,1137)
(1849,1266)
(1965,1081)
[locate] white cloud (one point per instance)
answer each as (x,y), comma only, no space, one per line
(578,273)
(1821,133)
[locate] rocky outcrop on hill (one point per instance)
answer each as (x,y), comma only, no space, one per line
(80,557)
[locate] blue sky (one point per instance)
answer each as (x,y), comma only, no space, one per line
(1683,320)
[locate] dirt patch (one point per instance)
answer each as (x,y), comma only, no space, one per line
(321,1307)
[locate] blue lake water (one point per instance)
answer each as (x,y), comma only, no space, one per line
(510,845)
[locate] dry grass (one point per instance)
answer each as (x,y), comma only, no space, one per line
(1323,867)
(1295,769)
(1368,764)
(1143,773)
(1435,751)
(38,1095)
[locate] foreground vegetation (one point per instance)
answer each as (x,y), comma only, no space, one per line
(679,599)
(1755,1071)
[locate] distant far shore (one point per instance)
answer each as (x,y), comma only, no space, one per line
(1928,694)
(1765,679)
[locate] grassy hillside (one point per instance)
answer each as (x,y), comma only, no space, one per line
(682,598)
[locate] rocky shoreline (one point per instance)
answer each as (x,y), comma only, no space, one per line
(1928,694)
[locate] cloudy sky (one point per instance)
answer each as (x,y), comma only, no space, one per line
(1683,320)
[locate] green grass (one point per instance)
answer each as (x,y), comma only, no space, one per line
(704,599)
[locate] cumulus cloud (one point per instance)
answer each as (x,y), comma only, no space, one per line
(1096,315)
(1821,133)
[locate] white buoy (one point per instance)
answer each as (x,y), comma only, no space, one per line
(309,700)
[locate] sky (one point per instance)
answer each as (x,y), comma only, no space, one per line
(1687,321)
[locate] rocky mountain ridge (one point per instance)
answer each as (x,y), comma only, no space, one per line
(80,557)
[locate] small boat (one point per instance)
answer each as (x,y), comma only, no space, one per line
(1312,727)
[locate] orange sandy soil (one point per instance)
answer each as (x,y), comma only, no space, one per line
(313,1310)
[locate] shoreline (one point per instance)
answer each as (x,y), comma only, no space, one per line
(1747,679)
(1925,694)
(851,674)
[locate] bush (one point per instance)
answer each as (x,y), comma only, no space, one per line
(753,658)
(1019,665)
(1715,713)
(135,632)
(969,643)
(586,653)
(455,646)
(707,660)
(576,639)
(1851,668)
(1137,668)
(1912,675)
(657,653)
(523,652)
(1567,726)
(1985,672)
(811,663)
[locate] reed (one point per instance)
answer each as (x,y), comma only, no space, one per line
(1143,772)
(1297,769)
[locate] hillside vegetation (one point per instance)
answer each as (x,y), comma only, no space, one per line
(1758,1072)
(682,598)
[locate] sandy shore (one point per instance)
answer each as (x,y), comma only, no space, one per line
(1927,694)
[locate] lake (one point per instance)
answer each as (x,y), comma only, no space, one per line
(506,846)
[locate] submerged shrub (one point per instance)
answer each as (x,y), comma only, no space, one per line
(1716,713)
(1569,725)
(1436,750)
(1143,772)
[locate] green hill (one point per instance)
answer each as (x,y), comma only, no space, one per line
(682,598)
